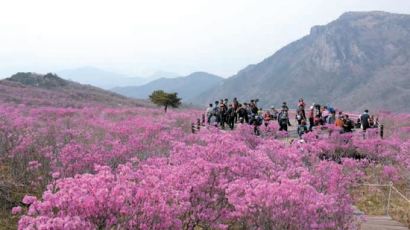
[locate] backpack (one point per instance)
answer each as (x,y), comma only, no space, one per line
(316,111)
(300,108)
(254,110)
(231,112)
(242,112)
(223,109)
(283,116)
(215,111)
(259,120)
(267,117)
(235,104)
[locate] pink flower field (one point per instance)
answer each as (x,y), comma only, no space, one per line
(99,167)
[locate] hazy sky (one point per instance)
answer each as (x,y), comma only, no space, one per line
(140,37)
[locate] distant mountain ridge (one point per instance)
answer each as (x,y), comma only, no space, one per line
(100,78)
(361,60)
(188,87)
(51,90)
(162,74)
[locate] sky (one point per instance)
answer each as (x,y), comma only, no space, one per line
(138,38)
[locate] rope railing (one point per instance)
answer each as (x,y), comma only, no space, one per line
(391,188)
(403,196)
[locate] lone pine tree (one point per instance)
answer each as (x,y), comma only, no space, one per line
(161,98)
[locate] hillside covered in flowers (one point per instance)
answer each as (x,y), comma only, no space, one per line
(127,167)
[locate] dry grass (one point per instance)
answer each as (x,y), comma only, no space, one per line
(11,194)
(7,222)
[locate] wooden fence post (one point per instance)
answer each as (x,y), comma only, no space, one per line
(388,199)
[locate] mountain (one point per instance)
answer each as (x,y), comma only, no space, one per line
(100,78)
(162,74)
(361,60)
(187,87)
(51,90)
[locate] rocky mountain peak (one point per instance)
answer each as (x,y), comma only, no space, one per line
(47,81)
(360,60)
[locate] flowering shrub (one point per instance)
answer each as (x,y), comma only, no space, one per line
(16,210)
(138,168)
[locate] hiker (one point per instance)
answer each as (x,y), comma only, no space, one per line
(364,120)
(209,112)
(339,120)
(302,128)
(230,115)
(285,107)
(256,121)
(248,113)
(222,111)
(213,121)
(274,113)
(254,108)
(377,123)
(331,118)
(266,118)
(299,116)
(311,117)
(260,111)
(317,110)
(242,114)
(301,108)
(198,123)
(317,115)
(347,124)
(283,120)
(216,112)
(372,122)
(358,124)
(226,103)
(235,104)
(325,113)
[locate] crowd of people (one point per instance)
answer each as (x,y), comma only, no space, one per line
(224,113)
